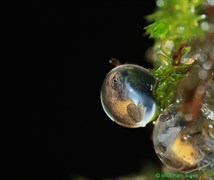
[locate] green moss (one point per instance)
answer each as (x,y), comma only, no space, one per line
(173,24)
(177,21)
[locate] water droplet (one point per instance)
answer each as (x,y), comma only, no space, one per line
(202,74)
(202,57)
(207,65)
(210,126)
(211,2)
(205,26)
(159,3)
(188,117)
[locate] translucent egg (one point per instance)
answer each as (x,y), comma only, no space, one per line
(127,97)
(183,144)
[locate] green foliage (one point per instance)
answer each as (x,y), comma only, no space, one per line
(158,29)
(168,75)
(173,25)
(176,21)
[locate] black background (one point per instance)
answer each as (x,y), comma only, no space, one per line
(72,45)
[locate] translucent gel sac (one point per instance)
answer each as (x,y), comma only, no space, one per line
(182,144)
(127,97)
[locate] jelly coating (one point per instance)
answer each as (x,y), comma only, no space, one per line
(127,97)
(182,144)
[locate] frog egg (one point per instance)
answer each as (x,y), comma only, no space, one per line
(184,145)
(127,96)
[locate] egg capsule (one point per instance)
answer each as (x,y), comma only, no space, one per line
(127,97)
(184,145)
